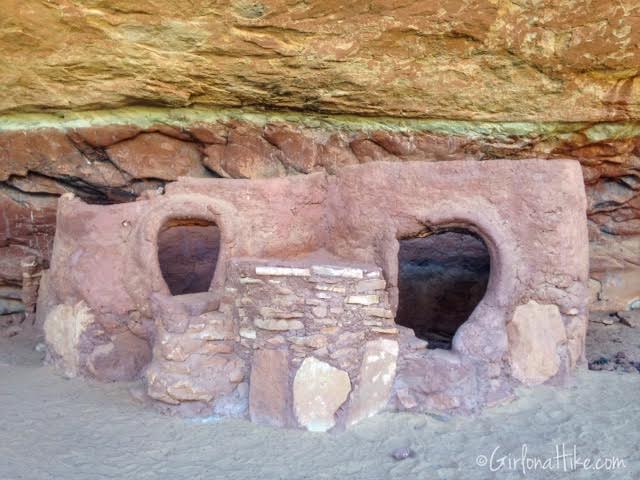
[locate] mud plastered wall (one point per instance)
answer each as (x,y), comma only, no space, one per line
(305,291)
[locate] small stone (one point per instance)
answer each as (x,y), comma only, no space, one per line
(378,312)
(402,453)
(278,325)
(323,295)
(249,280)
(249,333)
(319,311)
(385,331)
(374,274)
(321,352)
(337,272)
(370,285)
(372,323)
(363,299)
(283,271)
(312,341)
(284,291)
(414,343)
(329,330)
(277,340)
(273,313)
(331,288)
(326,321)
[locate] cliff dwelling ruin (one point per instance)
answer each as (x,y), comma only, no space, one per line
(317,301)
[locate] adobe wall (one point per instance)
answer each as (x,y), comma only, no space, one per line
(306,290)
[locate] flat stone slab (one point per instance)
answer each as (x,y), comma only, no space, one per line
(318,391)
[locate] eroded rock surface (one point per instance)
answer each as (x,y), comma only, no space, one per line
(482,59)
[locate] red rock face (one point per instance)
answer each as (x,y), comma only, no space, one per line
(117,163)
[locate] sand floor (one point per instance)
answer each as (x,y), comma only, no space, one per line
(53,428)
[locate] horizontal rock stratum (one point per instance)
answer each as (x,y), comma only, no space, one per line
(464,59)
(116,158)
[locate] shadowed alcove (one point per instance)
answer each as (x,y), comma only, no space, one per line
(441,279)
(188,254)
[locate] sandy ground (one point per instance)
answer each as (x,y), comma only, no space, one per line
(53,428)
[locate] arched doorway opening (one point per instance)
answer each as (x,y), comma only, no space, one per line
(441,279)
(188,252)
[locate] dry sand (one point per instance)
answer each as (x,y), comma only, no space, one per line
(53,428)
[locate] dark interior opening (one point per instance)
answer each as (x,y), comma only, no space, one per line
(188,254)
(441,279)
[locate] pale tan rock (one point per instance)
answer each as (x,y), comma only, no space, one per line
(379,312)
(249,333)
(385,331)
(534,333)
(216,327)
(331,288)
(275,313)
(63,329)
(312,341)
(363,299)
(278,325)
(283,271)
(377,374)
(370,285)
(329,271)
(187,390)
(318,391)
(576,334)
